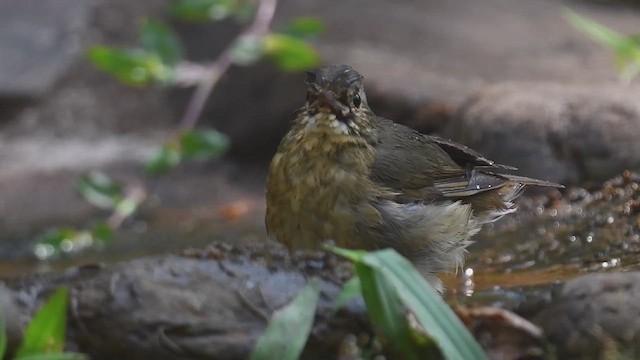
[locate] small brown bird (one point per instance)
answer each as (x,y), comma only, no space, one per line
(342,173)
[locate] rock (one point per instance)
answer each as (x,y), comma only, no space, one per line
(595,316)
(39,40)
(563,133)
(215,303)
(431,53)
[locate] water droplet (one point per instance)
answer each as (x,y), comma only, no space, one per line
(44,251)
(610,220)
(468,271)
(66,245)
(572,238)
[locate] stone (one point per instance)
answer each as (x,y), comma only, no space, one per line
(562,133)
(595,314)
(39,40)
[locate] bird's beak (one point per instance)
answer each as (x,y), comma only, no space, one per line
(326,99)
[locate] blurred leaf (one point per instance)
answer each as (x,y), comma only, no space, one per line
(159,39)
(245,10)
(289,327)
(126,207)
(626,48)
(46,331)
(247,50)
(132,67)
(102,232)
(165,158)
(3,335)
(203,144)
(350,290)
(56,236)
(290,53)
(386,311)
(58,356)
(430,309)
(304,28)
(203,10)
(99,190)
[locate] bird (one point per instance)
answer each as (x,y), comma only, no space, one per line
(345,175)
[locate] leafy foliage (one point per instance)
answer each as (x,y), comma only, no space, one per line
(206,10)
(160,40)
(403,281)
(625,47)
(290,53)
(132,67)
(196,145)
(289,327)
(45,335)
(99,190)
(305,27)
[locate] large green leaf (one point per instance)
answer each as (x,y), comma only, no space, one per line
(350,290)
(290,53)
(289,327)
(386,311)
(432,312)
(159,39)
(46,331)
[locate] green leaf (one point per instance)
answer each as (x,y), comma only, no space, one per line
(46,331)
(58,356)
(626,48)
(132,67)
(440,322)
(290,53)
(203,144)
(304,28)
(203,10)
(99,190)
(289,327)
(3,335)
(165,158)
(102,232)
(247,50)
(159,39)
(56,236)
(386,310)
(350,290)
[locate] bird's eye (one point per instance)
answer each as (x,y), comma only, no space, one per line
(357,101)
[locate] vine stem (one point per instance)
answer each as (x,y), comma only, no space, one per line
(212,73)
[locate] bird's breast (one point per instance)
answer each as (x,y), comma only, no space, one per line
(318,188)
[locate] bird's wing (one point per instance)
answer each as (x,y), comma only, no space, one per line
(422,167)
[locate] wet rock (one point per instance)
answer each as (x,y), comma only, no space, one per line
(215,303)
(563,133)
(595,317)
(207,304)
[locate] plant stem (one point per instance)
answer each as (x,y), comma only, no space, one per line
(258,28)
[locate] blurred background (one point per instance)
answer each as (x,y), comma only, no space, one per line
(97,111)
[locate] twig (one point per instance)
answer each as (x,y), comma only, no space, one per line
(258,28)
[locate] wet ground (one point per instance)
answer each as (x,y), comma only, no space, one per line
(552,238)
